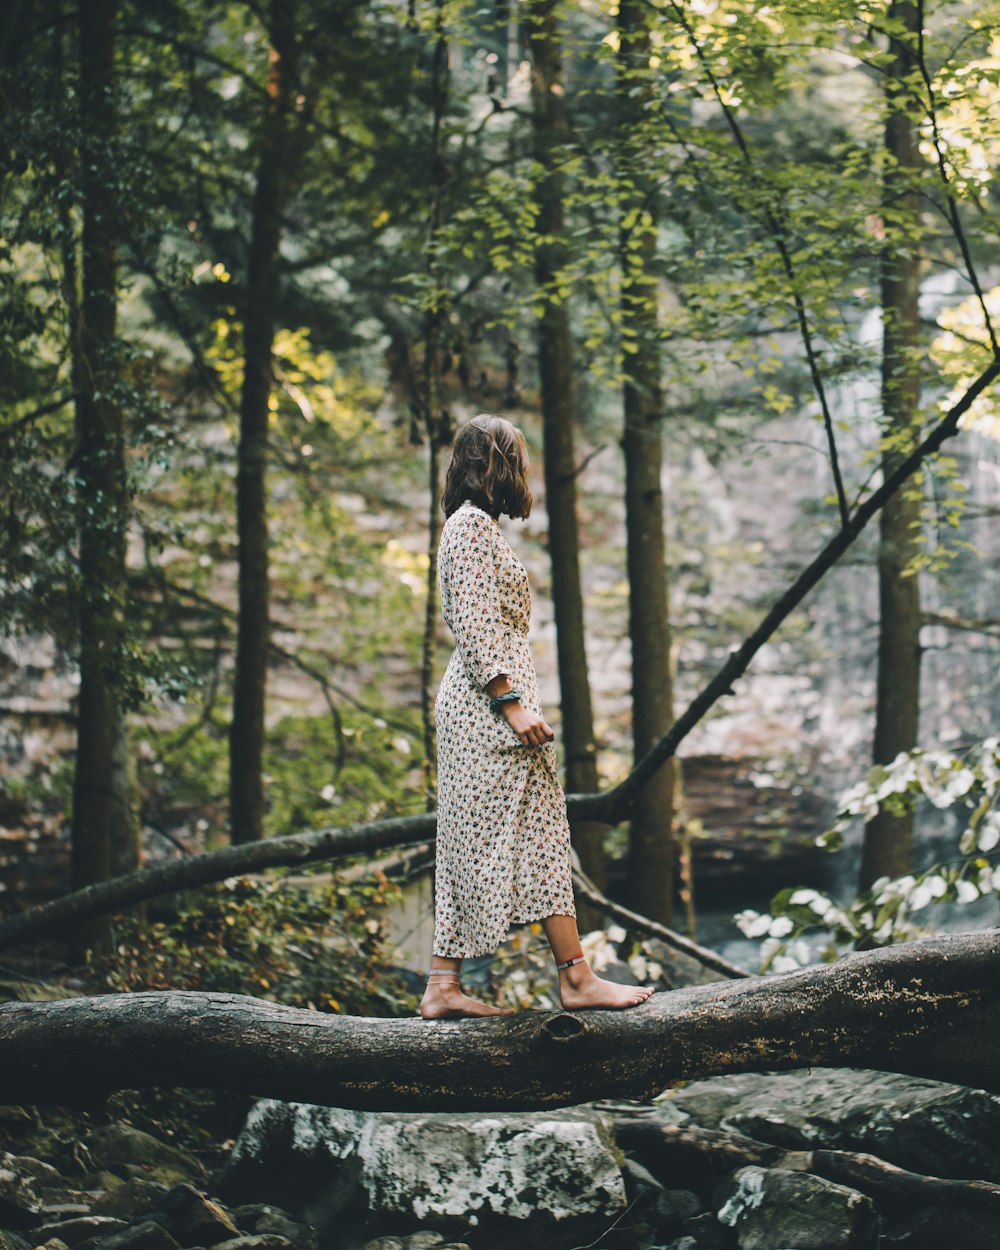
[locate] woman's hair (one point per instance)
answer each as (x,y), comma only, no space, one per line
(489,467)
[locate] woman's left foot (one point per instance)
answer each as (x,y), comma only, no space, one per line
(448,1002)
(580,987)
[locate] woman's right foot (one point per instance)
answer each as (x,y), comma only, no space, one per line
(448,1002)
(581,988)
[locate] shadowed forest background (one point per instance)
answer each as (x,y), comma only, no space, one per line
(729,266)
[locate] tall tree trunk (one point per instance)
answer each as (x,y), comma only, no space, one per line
(557,399)
(888,840)
(435,422)
(651,834)
(103,492)
(259,310)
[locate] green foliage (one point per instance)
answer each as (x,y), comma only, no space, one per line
(319,773)
(319,770)
(320,945)
(969,785)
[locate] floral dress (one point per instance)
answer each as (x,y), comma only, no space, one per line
(503,843)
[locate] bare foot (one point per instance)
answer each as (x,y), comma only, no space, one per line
(580,987)
(447,1002)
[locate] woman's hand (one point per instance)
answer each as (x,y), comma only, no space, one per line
(529,726)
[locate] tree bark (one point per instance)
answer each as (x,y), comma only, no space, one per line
(888,839)
(929,1008)
(101,472)
(436,426)
(259,313)
(555,365)
(651,852)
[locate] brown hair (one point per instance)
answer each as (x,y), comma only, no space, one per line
(489,467)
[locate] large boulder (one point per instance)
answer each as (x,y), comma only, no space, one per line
(926,1126)
(461,1169)
(771,1208)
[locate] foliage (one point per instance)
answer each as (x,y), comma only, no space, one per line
(320,945)
(966,784)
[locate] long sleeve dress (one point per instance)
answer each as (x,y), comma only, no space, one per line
(503,843)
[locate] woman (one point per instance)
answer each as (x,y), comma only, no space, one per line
(503,848)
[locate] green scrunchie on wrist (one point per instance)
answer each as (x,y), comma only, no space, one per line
(498,700)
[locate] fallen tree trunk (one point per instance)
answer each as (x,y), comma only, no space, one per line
(929,1008)
(715,1151)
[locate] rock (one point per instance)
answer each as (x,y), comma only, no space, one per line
(471,1167)
(770,1208)
(316,1161)
(129,1151)
(927,1126)
(197,1220)
(11,1241)
(131,1199)
(20,1206)
(674,1206)
(168,1177)
(53,1243)
(52,1211)
(261,1241)
(639,1180)
(386,1243)
(147,1235)
(299,1157)
(31,1169)
(17,1121)
(82,1228)
(705,1232)
(262,1217)
(424,1241)
(931,1228)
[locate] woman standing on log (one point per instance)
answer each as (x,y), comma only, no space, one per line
(503,844)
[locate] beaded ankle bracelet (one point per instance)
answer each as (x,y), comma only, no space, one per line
(568,963)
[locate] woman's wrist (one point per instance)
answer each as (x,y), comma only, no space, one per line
(508,699)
